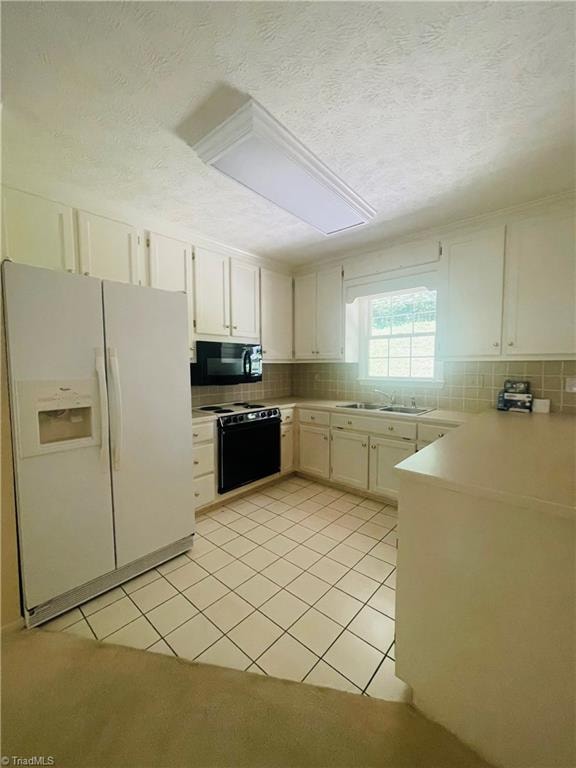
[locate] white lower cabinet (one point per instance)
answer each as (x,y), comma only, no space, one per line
(315,450)
(286,448)
(349,458)
(204,491)
(384,455)
(204,464)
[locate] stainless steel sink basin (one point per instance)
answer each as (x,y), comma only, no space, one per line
(404,409)
(387,408)
(362,406)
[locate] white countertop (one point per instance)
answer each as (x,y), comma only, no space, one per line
(528,460)
(444,417)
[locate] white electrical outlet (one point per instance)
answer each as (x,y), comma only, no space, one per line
(570,384)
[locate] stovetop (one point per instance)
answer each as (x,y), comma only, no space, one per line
(223,408)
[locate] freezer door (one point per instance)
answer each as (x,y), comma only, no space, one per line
(58,399)
(150,417)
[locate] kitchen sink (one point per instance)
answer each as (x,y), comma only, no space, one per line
(387,408)
(404,409)
(362,406)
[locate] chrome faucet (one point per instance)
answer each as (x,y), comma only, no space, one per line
(413,402)
(391,398)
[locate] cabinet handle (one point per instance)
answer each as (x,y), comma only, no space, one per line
(441,434)
(510,343)
(196,495)
(196,463)
(349,422)
(194,434)
(373,447)
(264,352)
(496,344)
(363,445)
(325,437)
(312,418)
(235,327)
(390,429)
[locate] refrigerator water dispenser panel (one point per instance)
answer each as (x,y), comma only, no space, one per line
(57,416)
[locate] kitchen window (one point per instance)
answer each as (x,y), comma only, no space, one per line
(398,336)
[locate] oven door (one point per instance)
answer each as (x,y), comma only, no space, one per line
(247,452)
(226,363)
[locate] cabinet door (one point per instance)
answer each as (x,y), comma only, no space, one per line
(276,292)
(539,293)
(212,292)
(37,231)
(245,299)
(171,270)
(472,312)
(384,455)
(305,317)
(329,312)
(287,449)
(349,458)
(108,249)
(315,450)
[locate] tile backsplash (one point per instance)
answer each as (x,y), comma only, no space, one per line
(468,386)
(276,382)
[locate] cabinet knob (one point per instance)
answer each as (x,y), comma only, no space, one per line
(325,437)
(441,434)
(373,447)
(235,327)
(312,418)
(349,422)
(264,352)
(226,326)
(196,495)
(390,429)
(496,344)
(196,463)
(363,445)
(194,434)
(510,343)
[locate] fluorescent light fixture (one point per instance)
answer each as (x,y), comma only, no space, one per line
(253,148)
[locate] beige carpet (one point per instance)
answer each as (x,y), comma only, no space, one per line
(93,705)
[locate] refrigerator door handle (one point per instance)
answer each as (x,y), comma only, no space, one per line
(118,432)
(103,394)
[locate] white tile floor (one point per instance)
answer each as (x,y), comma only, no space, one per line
(296,581)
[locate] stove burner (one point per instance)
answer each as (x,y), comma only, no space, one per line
(248,405)
(223,410)
(209,408)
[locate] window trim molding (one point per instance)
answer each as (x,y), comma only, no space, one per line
(363,331)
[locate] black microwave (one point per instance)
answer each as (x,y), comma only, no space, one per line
(226,363)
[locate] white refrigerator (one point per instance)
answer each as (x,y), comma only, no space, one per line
(101,422)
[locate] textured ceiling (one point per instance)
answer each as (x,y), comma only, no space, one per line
(430,111)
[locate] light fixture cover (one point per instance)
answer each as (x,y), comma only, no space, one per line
(257,151)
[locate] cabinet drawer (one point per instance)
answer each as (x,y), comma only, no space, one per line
(204,490)
(427,433)
(287,416)
(203,458)
(202,432)
(375,425)
(320,418)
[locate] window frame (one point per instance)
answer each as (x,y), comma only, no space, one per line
(365,337)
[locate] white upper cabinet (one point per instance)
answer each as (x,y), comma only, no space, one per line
(37,231)
(329,313)
(318,315)
(471,316)
(170,267)
(305,317)
(245,299)
(212,292)
(276,301)
(540,286)
(108,249)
